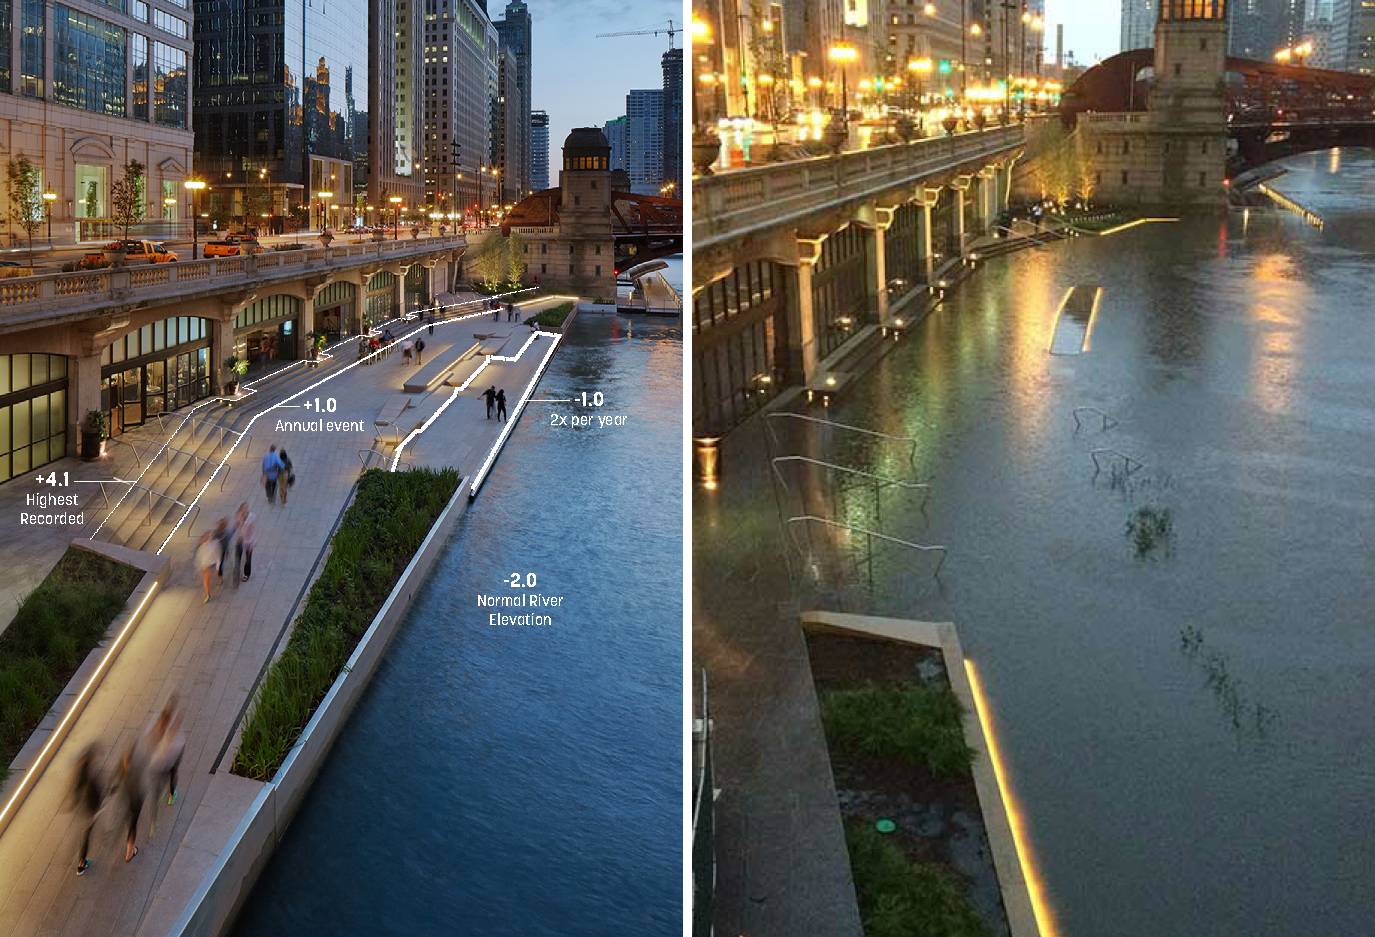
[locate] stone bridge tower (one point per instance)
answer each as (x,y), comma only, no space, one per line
(1175,155)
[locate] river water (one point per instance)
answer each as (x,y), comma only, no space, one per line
(1188,730)
(523,780)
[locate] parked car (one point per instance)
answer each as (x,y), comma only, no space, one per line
(233,245)
(150,252)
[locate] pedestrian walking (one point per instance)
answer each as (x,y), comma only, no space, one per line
(272,467)
(501,405)
(224,533)
(432,315)
(406,349)
(166,755)
(510,312)
(248,539)
(496,311)
(419,351)
(363,351)
(208,558)
(288,475)
(133,785)
(88,796)
(491,395)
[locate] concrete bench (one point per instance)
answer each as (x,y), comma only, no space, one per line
(438,365)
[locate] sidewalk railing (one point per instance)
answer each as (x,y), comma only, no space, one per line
(224,432)
(193,509)
(165,450)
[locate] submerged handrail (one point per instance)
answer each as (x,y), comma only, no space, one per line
(1108,422)
(1128,460)
(876,479)
(785,414)
(925,548)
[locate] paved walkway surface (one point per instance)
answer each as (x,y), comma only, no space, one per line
(782,864)
(210,653)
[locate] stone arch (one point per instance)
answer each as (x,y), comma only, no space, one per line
(91,147)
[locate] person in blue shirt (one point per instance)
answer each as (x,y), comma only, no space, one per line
(272,465)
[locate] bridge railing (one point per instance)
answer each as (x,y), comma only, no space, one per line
(752,200)
(57,293)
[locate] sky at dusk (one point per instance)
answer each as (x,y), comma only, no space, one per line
(581,80)
(1093,28)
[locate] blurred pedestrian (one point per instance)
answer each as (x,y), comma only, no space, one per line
(88,796)
(133,786)
(248,539)
(208,558)
(406,349)
(224,533)
(272,467)
(501,405)
(167,744)
(510,312)
(288,475)
(420,349)
(491,395)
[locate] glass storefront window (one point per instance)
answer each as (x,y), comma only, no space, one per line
(92,190)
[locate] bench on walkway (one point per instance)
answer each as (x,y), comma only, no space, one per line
(441,361)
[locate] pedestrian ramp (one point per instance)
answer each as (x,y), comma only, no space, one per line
(1075,319)
(453,364)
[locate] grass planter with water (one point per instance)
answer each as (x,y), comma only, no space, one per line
(377,538)
(57,625)
(895,733)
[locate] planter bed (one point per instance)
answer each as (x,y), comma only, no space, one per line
(554,316)
(58,624)
(934,873)
(377,538)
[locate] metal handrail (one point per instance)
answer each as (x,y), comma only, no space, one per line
(1128,460)
(871,534)
(148,519)
(166,449)
(225,430)
(878,480)
(1108,422)
(785,414)
(363,458)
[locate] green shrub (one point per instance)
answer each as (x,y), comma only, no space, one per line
(57,625)
(554,316)
(921,725)
(900,898)
(376,540)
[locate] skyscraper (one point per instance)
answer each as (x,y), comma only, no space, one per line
(516,35)
(460,60)
(1257,29)
(291,128)
(673,118)
(615,131)
(644,111)
(539,150)
(407,100)
(1353,36)
(1138,24)
(512,123)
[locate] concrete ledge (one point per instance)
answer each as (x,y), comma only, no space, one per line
(1007,862)
(441,364)
(236,865)
(37,753)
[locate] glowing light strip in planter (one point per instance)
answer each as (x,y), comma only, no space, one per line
(1039,908)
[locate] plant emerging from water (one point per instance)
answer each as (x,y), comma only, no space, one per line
(377,538)
(1149,529)
(921,725)
(57,625)
(901,898)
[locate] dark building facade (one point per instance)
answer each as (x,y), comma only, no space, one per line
(516,31)
(280,93)
(539,150)
(673,119)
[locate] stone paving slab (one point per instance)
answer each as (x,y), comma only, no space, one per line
(210,653)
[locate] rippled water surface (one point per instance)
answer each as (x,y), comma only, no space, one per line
(523,781)
(1189,731)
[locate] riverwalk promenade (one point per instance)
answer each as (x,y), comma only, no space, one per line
(209,654)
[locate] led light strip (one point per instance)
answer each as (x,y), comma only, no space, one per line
(1044,922)
(76,705)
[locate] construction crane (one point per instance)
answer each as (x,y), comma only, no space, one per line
(655,30)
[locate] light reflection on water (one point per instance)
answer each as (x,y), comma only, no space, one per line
(1189,734)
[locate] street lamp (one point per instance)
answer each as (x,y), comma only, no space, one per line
(843,54)
(49,197)
(194,186)
(396,204)
(324,220)
(920,68)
